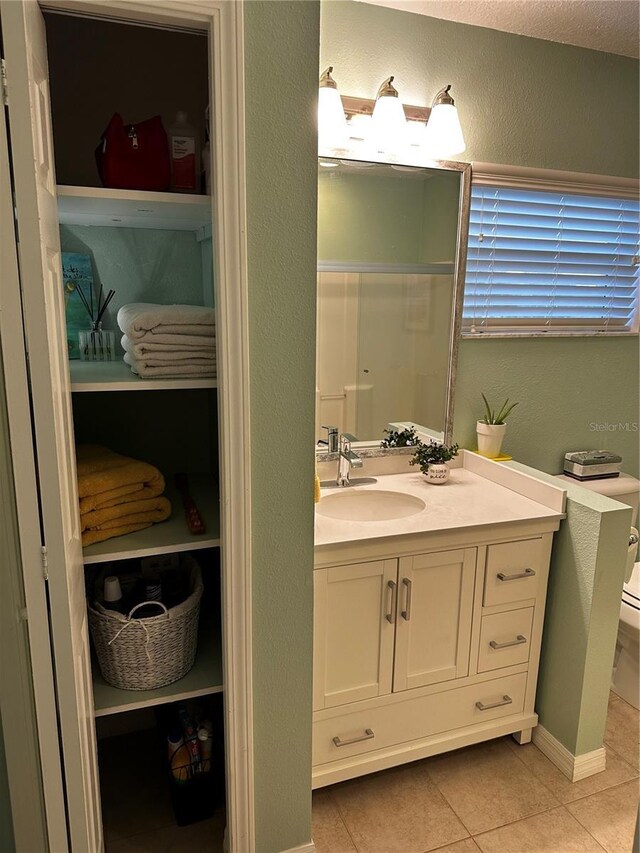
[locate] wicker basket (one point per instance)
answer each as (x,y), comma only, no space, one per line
(143,654)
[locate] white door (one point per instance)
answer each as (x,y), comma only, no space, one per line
(43,304)
(433,633)
(353,624)
(27,689)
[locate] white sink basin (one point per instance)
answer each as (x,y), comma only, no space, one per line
(372,505)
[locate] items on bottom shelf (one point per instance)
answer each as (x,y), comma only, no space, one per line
(168,340)
(118,495)
(192,740)
(151,639)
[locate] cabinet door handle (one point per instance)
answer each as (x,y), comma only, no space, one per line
(528,573)
(406,613)
(368,734)
(506,700)
(391,615)
(519,640)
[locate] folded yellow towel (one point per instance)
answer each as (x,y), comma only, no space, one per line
(129,512)
(134,492)
(105,477)
(90,537)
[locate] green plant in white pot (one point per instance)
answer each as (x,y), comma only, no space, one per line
(492,427)
(432,459)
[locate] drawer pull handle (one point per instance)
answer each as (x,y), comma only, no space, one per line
(391,615)
(506,700)
(368,734)
(519,640)
(528,573)
(406,614)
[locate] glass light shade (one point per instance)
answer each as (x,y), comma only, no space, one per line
(332,124)
(388,124)
(443,135)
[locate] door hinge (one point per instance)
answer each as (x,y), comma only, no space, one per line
(5,86)
(45,562)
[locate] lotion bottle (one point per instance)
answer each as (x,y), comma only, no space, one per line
(184,155)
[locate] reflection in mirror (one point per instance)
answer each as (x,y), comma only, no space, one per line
(391,251)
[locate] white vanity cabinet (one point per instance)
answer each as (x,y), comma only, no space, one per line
(425,642)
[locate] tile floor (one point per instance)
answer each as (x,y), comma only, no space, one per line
(496,797)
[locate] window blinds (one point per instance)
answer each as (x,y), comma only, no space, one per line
(550,261)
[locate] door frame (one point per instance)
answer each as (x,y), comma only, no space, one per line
(27,685)
(223,22)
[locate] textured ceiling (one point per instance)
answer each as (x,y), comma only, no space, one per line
(609,25)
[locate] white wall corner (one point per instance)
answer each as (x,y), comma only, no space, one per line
(574,767)
(304,848)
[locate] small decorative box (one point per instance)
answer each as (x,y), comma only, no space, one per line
(592,464)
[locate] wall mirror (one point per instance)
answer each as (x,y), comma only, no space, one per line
(391,261)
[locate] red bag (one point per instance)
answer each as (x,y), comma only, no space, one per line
(134,156)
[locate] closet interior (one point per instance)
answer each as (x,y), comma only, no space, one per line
(151,247)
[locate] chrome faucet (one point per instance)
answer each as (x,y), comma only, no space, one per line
(347,459)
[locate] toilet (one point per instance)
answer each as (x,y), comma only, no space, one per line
(626,664)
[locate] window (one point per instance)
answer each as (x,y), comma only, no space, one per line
(550,261)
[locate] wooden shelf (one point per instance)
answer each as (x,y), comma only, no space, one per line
(168,536)
(117,376)
(203,679)
(133,209)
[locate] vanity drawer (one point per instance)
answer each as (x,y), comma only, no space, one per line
(365,731)
(512,572)
(505,639)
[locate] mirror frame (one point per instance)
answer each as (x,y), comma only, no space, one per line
(464,208)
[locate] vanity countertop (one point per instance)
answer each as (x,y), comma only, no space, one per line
(471,499)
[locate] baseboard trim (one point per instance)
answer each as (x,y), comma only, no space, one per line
(574,767)
(304,848)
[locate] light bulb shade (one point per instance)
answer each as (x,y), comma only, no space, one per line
(332,124)
(388,124)
(443,135)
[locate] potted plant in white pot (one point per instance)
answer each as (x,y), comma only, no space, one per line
(491,429)
(432,459)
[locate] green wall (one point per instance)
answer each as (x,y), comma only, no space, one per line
(521,100)
(387,218)
(568,388)
(281,44)
(581,620)
(533,103)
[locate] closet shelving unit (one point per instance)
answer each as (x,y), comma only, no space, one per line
(97,206)
(68,60)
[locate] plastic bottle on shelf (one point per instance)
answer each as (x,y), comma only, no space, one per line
(205,736)
(112,594)
(184,155)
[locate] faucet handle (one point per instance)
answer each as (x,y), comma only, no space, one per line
(332,438)
(348,436)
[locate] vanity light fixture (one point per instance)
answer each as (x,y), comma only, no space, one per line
(366,130)
(332,123)
(443,134)
(388,121)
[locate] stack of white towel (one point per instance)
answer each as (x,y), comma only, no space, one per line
(168,340)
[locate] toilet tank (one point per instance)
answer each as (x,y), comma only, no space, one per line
(624,488)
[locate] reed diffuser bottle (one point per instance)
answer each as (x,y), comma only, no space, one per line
(96,343)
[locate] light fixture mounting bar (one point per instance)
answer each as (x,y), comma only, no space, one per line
(364,106)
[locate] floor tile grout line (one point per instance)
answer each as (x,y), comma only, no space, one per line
(582,796)
(546,809)
(586,828)
(528,817)
(608,745)
(344,822)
